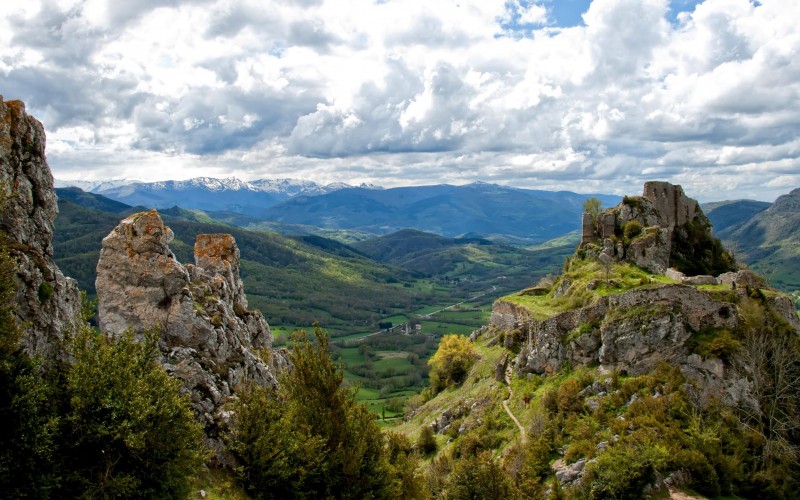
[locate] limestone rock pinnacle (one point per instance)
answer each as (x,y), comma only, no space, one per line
(209,339)
(47,302)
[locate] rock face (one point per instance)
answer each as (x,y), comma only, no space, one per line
(209,339)
(48,303)
(655,231)
(637,327)
(630,332)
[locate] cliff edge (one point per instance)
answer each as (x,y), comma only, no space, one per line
(620,305)
(47,302)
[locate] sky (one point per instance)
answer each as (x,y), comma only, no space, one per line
(586,96)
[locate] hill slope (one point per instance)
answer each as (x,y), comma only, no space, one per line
(466,259)
(485,209)
(726,216)
(294,281)
(770,241)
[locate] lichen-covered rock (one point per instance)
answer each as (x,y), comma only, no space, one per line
(209,339)
(630,332)
(47,302)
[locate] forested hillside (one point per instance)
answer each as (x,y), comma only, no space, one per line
(295,281)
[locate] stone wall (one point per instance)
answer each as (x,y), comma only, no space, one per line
(674,207)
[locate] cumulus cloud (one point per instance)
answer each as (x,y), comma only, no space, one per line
(702,93)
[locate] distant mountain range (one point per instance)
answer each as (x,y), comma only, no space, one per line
(764,235)
(207,193)
(479,210)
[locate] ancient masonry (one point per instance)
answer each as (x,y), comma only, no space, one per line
(674,208)
(209,339)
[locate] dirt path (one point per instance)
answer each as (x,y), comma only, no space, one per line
(508,410)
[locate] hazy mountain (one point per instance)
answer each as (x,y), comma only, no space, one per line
(770,241)
(480,209)
(207,193)
(506,214)
(726,216)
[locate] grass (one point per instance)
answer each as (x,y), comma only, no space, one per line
(585,281)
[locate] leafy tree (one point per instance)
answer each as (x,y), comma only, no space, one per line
(452,361)
(593,207)
(478,476)
(309,437)
(128,430)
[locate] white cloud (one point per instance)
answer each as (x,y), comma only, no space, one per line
(414,92)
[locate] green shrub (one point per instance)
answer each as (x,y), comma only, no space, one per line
(567,398)
(426,442)
(704,476)
(717,343)
(478,476)
(45,291)
(129,431)
(452,361)
(625,469)
(632,229)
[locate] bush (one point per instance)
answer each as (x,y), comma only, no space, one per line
(452,361)
(567,398)
(632,229)
(426,442)
(129,431)
(625,469)
(478,477)
(309,438)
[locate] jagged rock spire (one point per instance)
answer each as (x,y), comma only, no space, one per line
(208,337)
(47,302)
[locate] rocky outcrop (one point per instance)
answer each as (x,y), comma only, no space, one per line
(630,332)
(47,302)
(663,228)
(209,339)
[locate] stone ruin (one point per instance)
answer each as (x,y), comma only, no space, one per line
(669,207)
(209,339)
(662,211)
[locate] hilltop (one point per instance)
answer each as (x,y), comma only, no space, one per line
(770,240)
(628,376)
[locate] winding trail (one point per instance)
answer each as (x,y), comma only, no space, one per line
(522,435)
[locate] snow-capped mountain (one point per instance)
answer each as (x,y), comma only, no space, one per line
(208,193)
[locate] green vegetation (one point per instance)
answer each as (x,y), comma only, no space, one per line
(452,361)
(696,251)
(310,438)
(630,430)
(128,431)
(593,207)
(110,423)
(582,283)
